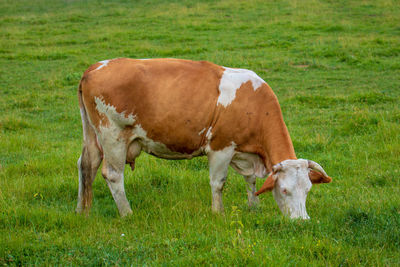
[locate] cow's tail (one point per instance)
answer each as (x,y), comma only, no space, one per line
(88,132)
(90,159)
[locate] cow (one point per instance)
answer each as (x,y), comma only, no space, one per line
(180,109)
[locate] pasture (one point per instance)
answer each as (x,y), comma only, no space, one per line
(335,67)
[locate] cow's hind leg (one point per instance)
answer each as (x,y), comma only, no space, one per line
(218,162)
(88,163)
(113,172)
(251,189)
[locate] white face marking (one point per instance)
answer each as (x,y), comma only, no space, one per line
(103,64)
(231,81)
(110,111)
(291,188)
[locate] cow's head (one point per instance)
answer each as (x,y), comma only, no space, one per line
(290,182)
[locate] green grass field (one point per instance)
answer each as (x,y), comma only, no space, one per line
(335,67)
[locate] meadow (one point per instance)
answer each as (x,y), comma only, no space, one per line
(335,67)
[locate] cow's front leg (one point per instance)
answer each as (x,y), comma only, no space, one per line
(251,189)
(217,184)
(218,162)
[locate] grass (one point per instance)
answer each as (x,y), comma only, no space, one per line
(335,67)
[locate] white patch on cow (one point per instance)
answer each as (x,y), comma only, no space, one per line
(231,81)
(224,154)
(225,151)
(202,131)
(103,64)
(112,145)
(110,141)
(121,119)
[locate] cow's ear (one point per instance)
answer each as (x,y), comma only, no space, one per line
(267,186)
(318,178)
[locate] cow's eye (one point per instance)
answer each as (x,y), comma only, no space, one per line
(284,191)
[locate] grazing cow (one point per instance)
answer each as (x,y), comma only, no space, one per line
(180,109)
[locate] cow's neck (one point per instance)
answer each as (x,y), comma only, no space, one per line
(277,143)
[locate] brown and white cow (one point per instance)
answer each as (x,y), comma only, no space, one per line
(179,109)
